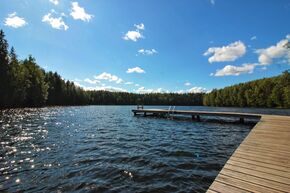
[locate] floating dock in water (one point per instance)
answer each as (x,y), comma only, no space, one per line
(261,163)
(195,115)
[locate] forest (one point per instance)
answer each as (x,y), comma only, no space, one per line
(24,84)
(266,92)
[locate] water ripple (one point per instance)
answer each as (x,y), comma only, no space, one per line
(106,149)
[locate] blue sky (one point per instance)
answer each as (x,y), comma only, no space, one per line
(152,45)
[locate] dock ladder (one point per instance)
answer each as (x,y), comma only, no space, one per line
(170,111)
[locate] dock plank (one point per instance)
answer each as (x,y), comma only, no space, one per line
(262,159)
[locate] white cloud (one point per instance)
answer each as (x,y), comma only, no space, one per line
(187,84)
(109,77)
(136,70)
(78,12)
(109,88)
(143,90)
(212,2)
(134,35)
(14,21)
(254,38)
(230,52)
(197,90)
(147,52)
(140,26)
(279,50)
(230,70)
(91,81)
(55,22)
(137,85)
(55,2)
(129,83)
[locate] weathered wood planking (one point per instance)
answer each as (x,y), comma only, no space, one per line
(261,163)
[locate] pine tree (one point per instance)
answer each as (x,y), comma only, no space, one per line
(4,70)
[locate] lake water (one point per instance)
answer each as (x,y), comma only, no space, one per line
(107,149)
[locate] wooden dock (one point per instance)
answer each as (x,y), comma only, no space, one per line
(195,115)
(261,163)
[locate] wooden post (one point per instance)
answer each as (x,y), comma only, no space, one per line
(242,120)
(197,117)
(144,114)
(193,117)
(135,113)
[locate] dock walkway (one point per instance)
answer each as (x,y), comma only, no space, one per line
(261,163)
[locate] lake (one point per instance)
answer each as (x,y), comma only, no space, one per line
(107,149)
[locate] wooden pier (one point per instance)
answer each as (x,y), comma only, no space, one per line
(261,163)
(195,115)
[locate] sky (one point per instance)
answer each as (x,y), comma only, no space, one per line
(152,45)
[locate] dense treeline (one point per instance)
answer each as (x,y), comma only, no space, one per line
(24,84)
(266,92)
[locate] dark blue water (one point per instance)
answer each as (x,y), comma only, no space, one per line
(106,149)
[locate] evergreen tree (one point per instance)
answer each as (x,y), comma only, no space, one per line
(4,71)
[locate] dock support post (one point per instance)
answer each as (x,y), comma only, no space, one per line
(135,113)
(193,117)
(242,120)
(197,117)
(144,114)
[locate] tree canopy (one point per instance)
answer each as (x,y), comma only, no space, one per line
(266,92)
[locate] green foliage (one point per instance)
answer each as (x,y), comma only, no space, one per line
(267,92)
(25,84)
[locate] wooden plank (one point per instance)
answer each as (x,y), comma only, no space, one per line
(211,191)
(249,186)
(256,162)
(226,188)
(285,174)
(256,180)
(258,174)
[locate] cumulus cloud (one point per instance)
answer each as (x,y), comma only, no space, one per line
(109,77)
(143,90)
(14,21)
(254,38)
(135,35)
(187,84)
(87,80)
(147,52)
(55,22)
(230,70)
(267,55)
(135,70)
(129,83)
(55,2)
(230,52)
(78,12)
(109,88)
(197,90)
(140,26)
